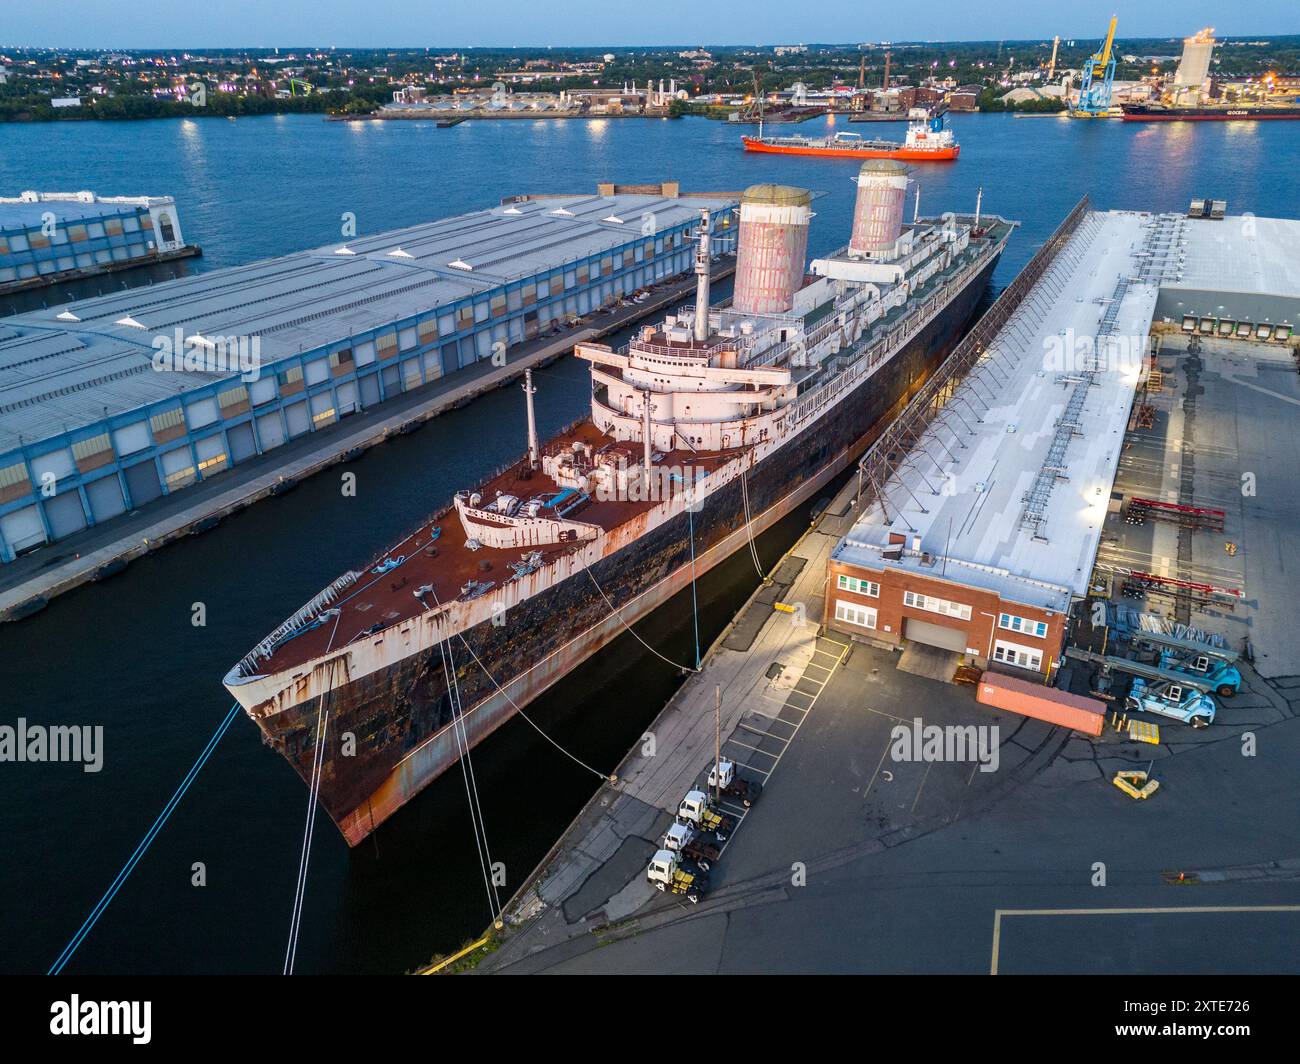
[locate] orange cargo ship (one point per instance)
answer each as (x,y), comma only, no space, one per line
(927,141)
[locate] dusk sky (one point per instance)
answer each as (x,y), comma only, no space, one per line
(416,23)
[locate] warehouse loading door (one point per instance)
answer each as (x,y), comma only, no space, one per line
(105,498)
(935,635)
(65,514)
(142,483)
(23,529)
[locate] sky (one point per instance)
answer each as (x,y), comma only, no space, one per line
(616,23)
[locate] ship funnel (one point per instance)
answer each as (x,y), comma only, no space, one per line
(773,246)
(878,213)
(703,253)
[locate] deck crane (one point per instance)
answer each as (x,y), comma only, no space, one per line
(1098,80)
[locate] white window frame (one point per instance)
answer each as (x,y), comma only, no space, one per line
(1010,622)
(931,604)
(859,587)
(1022,657)
(854,613)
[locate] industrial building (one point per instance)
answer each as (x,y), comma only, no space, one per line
(106,404)
(51,236)
(983,505)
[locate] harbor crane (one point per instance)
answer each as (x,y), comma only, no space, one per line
(1098,80)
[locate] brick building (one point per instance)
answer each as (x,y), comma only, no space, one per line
(895,600)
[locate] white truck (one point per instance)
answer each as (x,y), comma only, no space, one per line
(733,786)
(695,810)
(673,875)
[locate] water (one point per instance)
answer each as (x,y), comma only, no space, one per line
(124,654)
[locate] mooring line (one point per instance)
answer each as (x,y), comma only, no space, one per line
(150,835)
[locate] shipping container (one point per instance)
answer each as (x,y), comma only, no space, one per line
(1086,715)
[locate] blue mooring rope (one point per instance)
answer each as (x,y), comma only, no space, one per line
(127,869)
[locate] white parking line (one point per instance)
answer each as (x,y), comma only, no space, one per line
(760,732)
(745,746)
(779,720)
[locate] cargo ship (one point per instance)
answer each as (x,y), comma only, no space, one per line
(1160,112)
(704,430)
(927,141)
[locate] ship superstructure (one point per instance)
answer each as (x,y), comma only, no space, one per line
(704,429)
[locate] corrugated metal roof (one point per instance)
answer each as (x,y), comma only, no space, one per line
(17,214)
(57,373)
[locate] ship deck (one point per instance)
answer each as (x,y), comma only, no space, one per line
(437,555)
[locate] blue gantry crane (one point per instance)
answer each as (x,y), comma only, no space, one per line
(1098,80)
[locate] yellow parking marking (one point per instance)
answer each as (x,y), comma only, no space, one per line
(998,914)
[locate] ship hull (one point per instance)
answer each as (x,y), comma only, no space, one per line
(401,716)
(1208,114)
(911,155)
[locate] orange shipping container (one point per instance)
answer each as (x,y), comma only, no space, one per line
(1086,715)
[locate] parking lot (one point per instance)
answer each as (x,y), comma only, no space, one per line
(853,861)
(1225,436)
(1169,939)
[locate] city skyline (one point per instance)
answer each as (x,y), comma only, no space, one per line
(88,24)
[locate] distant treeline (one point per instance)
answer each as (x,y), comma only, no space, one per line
(219,105)
(989,101)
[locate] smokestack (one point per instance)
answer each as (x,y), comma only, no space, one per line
(878,213)
(772,248)
(703,253)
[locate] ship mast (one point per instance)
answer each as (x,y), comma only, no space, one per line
(645,434)
(529,392)
(702,254)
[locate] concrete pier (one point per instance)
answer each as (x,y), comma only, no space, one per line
(771,664)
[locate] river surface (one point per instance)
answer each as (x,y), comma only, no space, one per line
(124,654)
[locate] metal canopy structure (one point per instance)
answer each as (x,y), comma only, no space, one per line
(904,444)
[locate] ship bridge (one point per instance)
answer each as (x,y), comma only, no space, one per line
(666,388)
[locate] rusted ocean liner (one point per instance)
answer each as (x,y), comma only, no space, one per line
(704,430)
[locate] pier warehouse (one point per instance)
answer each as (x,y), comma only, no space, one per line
(47,237)
(983,505)
(91,426)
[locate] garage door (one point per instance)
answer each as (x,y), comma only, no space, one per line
(65,514)
(297,419)
(142,483)
(241,442)
(23,529)
(105,498)
(370,389)
(935,635)
(270,430)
